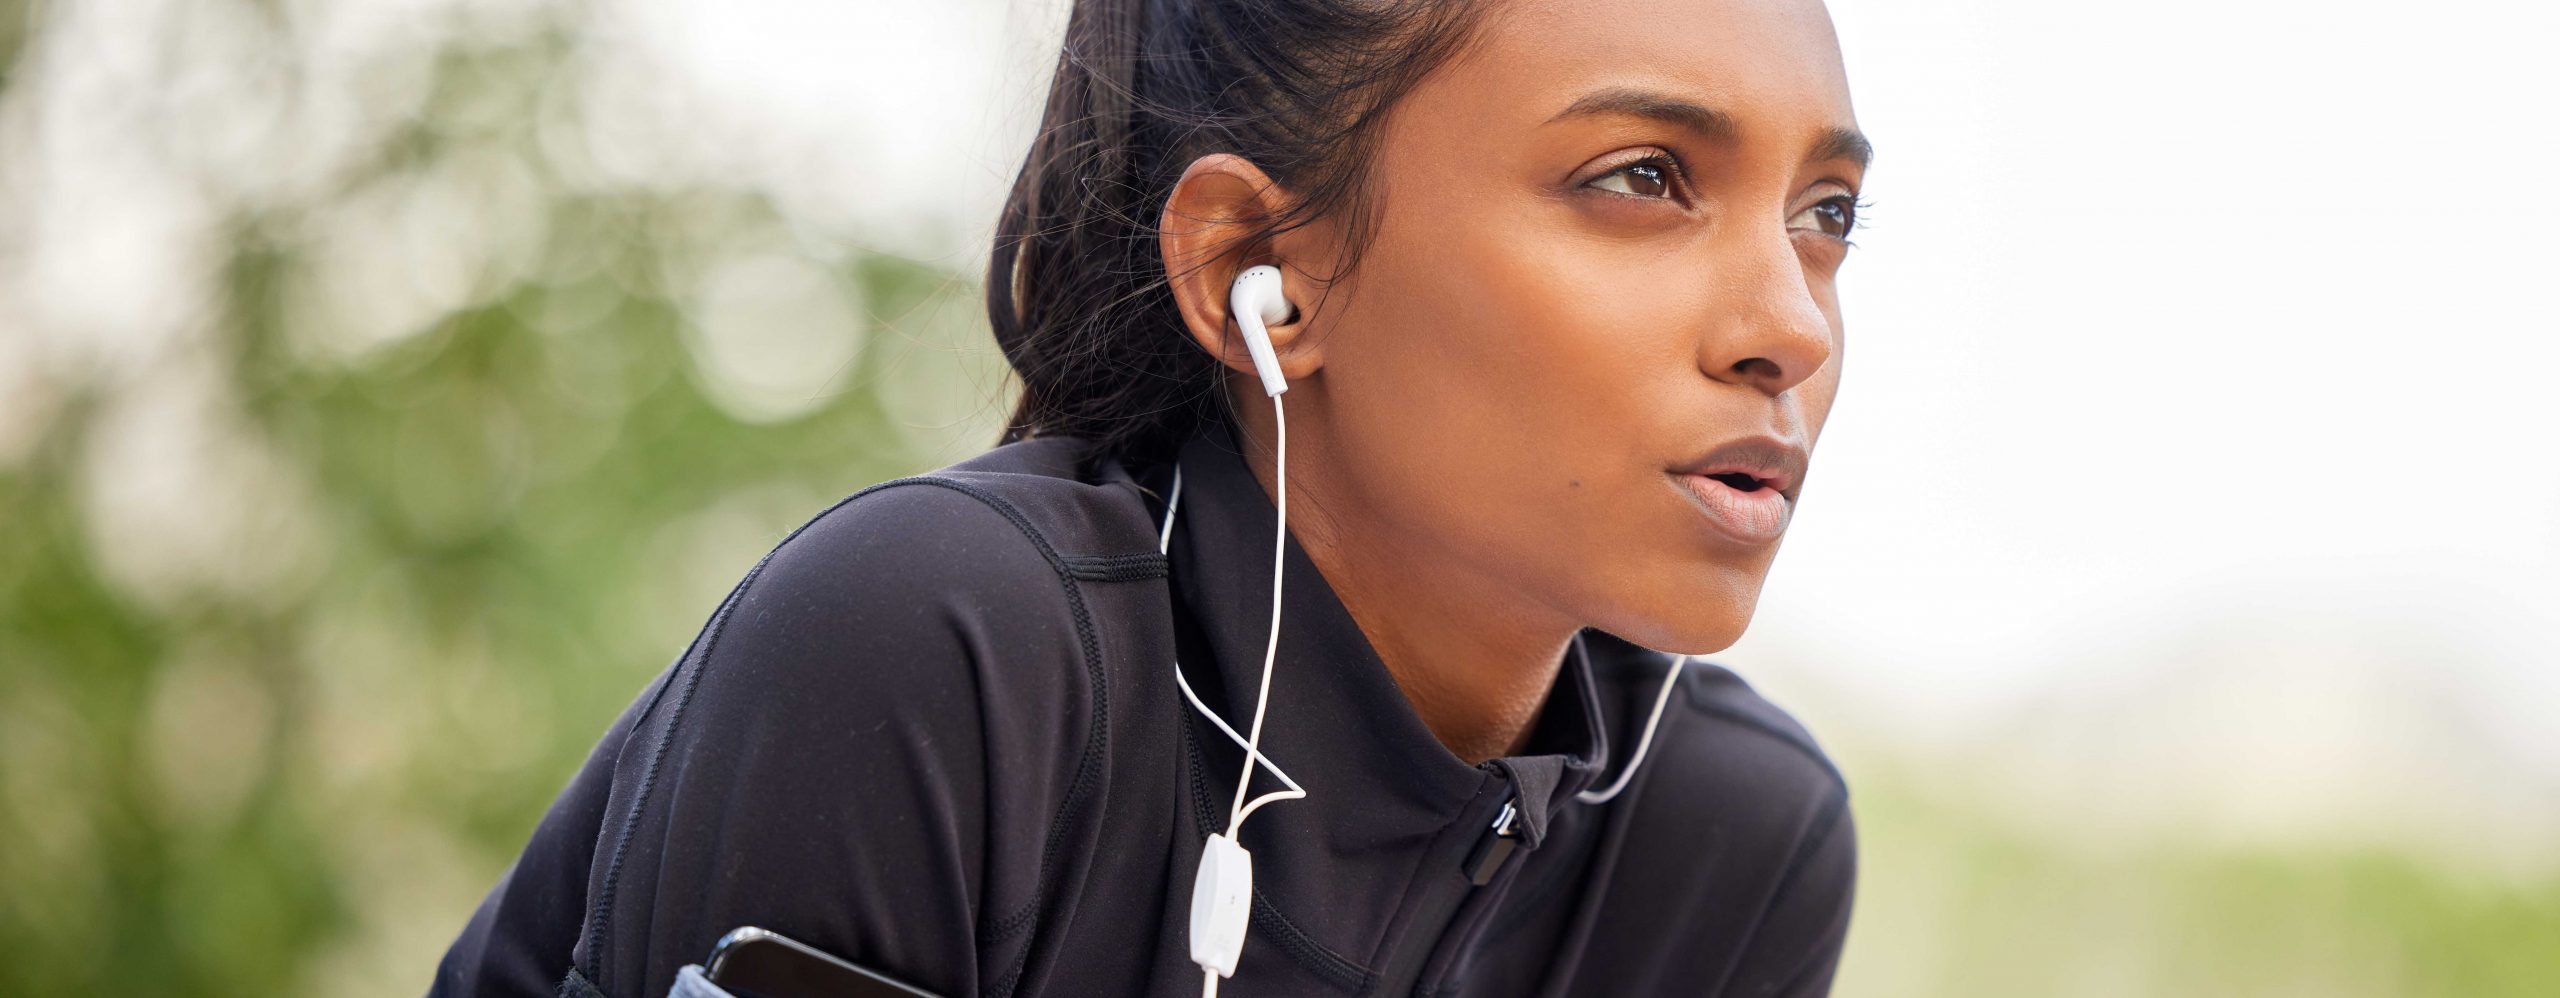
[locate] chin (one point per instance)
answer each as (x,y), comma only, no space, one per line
(1694,640)
(1688,621)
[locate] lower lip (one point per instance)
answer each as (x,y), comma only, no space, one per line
(1756,517)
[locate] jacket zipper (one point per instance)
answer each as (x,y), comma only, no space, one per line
(1496,846)
(1447,893)
(1489,872)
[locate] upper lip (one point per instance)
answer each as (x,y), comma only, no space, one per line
(1775,463)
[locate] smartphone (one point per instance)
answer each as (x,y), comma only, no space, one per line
(758,963)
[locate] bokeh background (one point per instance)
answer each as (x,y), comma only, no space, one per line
(388,389)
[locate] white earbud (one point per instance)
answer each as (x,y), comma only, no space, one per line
(1257,301)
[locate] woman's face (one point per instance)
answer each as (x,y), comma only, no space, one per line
(1608,244)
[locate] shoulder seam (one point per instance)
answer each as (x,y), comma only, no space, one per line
(1833,811)
(599,916)
(1835,805)
(600,909)
(1796,740)
(1116,567)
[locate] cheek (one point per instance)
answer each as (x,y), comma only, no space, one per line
(1506,352)
(1594,344)
(1511,388)
(1510,400)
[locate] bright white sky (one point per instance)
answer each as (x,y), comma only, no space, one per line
(2187,332)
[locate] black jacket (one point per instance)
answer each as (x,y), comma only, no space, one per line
(935,731)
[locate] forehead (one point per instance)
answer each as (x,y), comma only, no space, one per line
(1772,64)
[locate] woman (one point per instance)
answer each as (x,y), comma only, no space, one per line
(1556,321)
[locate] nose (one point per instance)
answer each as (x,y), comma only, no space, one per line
(1767,333)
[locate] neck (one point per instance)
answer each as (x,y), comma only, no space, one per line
(1474,658)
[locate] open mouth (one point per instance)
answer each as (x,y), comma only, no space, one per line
(1743,506)
(1740,481)
(1756,468)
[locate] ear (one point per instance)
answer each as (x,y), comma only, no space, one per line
(1221,199)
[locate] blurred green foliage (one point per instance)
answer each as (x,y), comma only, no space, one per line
(275,726)
(294,769)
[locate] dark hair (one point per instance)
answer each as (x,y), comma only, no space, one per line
(1076,286)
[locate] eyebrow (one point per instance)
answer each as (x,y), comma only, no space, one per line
(1844,143)
(1709,123)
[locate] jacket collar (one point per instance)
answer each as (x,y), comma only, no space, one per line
(1337,721)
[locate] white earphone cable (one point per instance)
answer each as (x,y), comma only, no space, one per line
(1644,741)
(1261,700)
(1164,544)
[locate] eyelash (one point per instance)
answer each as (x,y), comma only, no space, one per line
(1852,204)
(1671,170)
(1854,207)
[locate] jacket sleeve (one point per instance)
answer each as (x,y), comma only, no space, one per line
(517,943)
(817,763)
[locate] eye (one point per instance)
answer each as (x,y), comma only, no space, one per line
(1643,178)
(1832,216)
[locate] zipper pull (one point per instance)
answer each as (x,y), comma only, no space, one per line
(1496,847)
